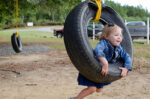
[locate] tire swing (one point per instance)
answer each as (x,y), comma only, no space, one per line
(15,38)
(78,46)
(16,43)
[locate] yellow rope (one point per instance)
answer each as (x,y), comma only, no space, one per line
(98,14)
(16,18)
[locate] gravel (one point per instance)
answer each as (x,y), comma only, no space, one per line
(8,50)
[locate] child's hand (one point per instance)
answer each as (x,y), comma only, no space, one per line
(104,70)
(124,71)
(104,62)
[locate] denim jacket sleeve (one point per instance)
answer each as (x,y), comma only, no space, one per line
(99,49)
(127,60)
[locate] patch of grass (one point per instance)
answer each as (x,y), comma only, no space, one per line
(141,50)
(28,37)
(93,42)
(141,55)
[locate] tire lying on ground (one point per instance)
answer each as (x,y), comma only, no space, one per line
(78,46)
(16,43)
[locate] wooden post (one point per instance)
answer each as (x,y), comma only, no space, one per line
(93,31)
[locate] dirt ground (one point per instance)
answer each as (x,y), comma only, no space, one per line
(51,75)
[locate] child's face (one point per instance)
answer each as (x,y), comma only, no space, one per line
(115,37)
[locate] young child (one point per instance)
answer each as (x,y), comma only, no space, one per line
(107,50)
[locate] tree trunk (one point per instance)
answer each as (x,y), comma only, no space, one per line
(53,16)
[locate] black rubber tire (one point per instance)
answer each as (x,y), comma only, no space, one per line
(16,43)
(78,46)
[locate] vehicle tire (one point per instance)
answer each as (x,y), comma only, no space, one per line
(16,43)
(59,35)
(78,46)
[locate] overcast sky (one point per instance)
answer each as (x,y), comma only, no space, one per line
(144,3)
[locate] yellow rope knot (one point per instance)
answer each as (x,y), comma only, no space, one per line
(98,14)
(17,34)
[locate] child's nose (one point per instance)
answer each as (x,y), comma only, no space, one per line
(119,37)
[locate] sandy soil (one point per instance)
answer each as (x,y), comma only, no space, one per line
(51,75)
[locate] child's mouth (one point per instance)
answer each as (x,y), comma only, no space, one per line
(118,41)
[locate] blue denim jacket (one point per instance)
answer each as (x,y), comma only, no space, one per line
(104,49)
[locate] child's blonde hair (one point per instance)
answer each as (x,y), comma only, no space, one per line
(107,30)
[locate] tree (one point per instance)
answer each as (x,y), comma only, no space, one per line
(56,10)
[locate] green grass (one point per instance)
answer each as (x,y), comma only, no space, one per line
(141,55)
(37,37)
(27,36)
(93,42)
(48,38)
(141,51)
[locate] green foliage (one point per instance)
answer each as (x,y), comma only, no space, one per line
(129,13)
(41,11)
